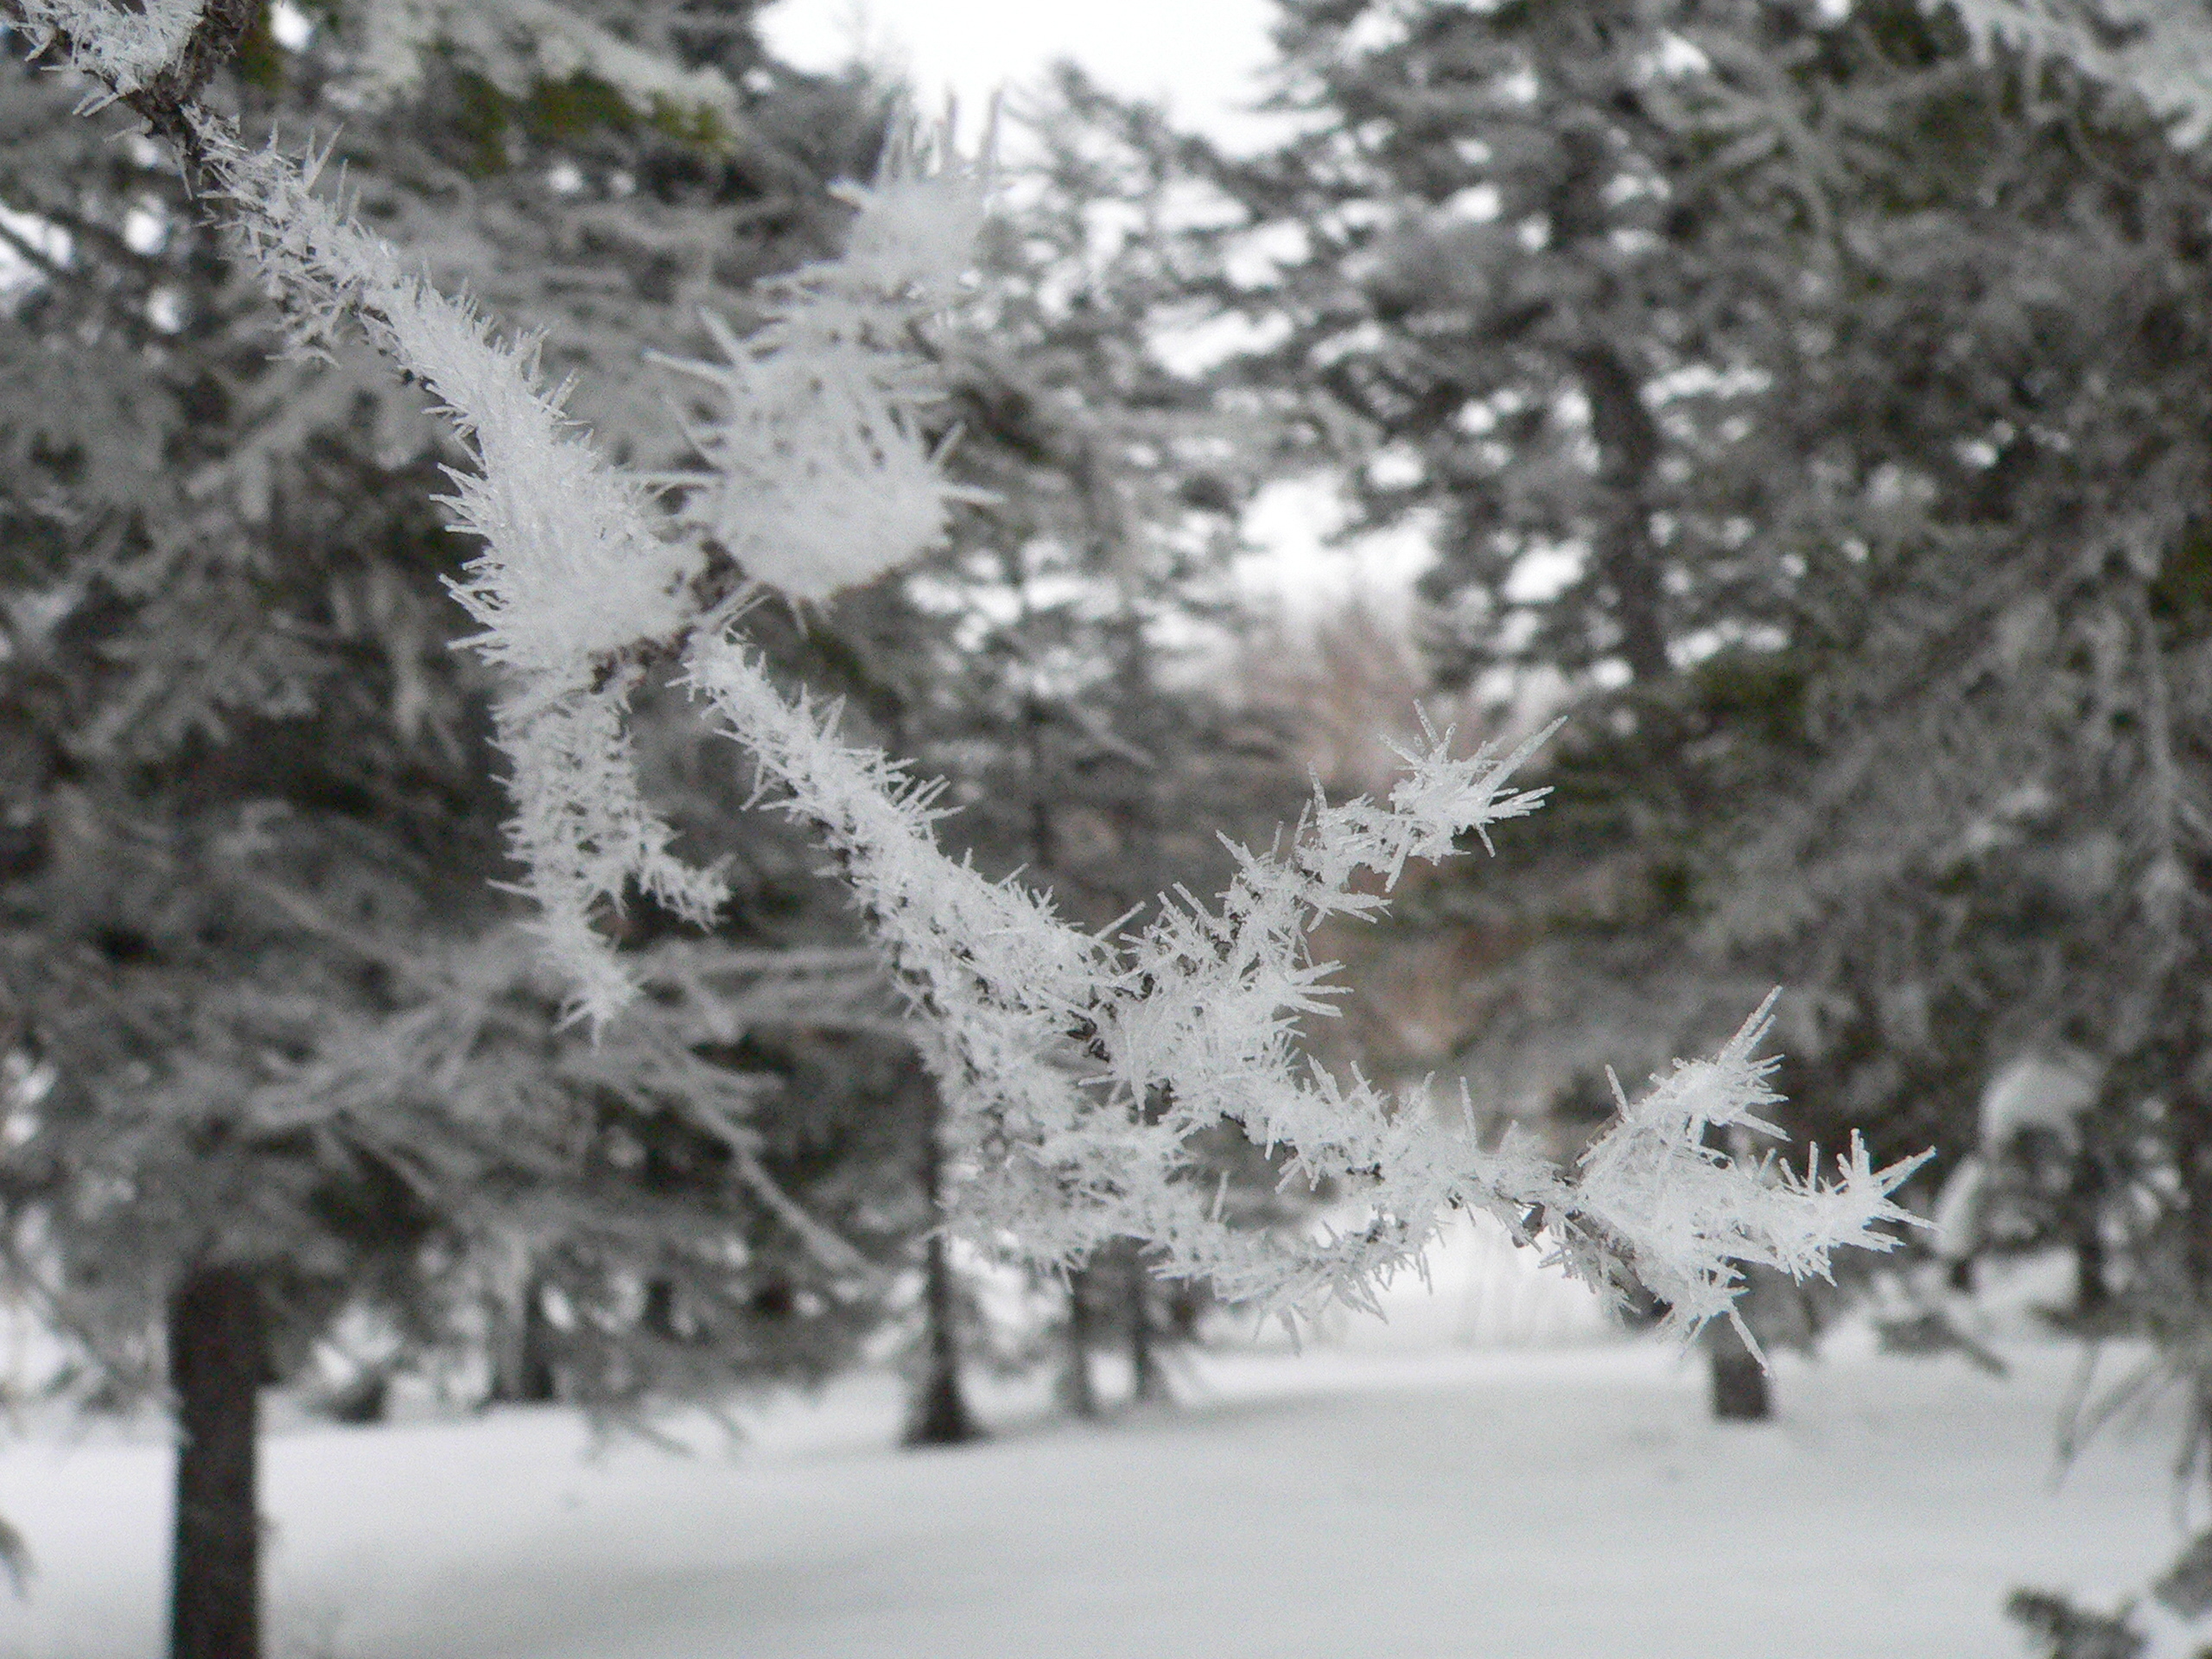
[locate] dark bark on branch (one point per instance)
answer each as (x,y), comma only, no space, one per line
(167,103)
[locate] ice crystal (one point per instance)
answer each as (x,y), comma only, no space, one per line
(570,574)
(123,49)
(817,475)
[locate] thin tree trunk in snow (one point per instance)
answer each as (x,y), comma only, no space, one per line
(216,1352)
(1148,1383)
(1077,1393)
(1740,1393)
(2092,1295)
(1739,1390)
(522,1372)
(662,1315)
(940,1416)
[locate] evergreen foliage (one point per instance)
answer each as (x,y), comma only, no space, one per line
(1870,584)
(264,1010)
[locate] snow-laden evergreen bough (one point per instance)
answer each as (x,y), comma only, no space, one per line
(1079,1067)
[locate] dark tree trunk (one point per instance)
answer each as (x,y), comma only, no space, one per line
(1077,1393)
(2092,1295)
(537,1381)
(2085,1205)
(522,1370)
(940,1415)
(1148,1383)
(662,1315)
(1628,448)
(217,1354)
(1187,1304)
(1739,1386)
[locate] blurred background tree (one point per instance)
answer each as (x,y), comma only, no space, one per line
(1807,403)
(276,1054)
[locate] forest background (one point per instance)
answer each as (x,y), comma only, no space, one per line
(1806,400)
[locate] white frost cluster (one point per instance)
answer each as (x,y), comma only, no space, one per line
(1079,1067)
(1653,1181)
(816,474)
(570,576)
(123,49)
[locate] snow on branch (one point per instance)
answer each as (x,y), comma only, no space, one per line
(1082,1067)
(1079,1067)
(816,475)
(571,575)
(126,50)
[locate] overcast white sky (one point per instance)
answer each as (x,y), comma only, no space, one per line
(1200,54)
(1203,57)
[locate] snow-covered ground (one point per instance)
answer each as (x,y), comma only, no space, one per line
(1531,1502)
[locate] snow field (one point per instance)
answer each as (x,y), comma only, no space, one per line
(1535,1504)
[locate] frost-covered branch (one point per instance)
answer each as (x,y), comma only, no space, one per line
(126,50)
(1079,1067)
(571,576)
(574,590)
(1082,1066)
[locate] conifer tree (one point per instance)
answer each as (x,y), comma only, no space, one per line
(1720,343)
(276,1049)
